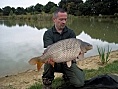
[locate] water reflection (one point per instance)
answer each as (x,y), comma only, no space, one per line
(34,24)
(104,29)
(19,44)
(96,42)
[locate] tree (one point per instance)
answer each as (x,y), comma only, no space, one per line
(110,6)
(104,7)
(71,6)
(0,10)
(74,7)
(49,6)
(20,11)
(13,9)
(6,10)
(53,9)
(38,7)
(30,9)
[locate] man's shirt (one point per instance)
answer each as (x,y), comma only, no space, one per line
(51,36)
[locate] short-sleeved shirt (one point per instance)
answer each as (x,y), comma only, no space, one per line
(51,36)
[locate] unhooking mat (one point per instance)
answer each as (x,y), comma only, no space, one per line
(106,81)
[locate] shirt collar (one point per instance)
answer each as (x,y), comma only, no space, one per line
(64,30)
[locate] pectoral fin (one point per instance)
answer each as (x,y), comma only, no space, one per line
(80,56)
(69,63)
(52,64)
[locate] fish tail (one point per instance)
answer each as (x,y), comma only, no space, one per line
(35,61)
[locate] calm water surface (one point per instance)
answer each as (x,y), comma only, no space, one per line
(20,42)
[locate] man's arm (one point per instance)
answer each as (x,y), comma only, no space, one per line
(47,39)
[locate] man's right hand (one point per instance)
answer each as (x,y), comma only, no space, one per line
(50,61)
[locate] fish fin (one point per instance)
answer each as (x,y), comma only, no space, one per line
(81,56)
(52,63)
(69,63)
(33,61)
(39,64)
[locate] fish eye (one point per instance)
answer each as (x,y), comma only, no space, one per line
(88,45)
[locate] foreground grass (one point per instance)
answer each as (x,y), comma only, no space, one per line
(111,68)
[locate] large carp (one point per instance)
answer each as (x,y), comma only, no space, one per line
(62,51)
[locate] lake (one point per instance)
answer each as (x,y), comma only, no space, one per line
(20,40)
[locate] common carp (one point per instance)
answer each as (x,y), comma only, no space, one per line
(62,51)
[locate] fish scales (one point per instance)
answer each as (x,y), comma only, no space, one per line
(64,50)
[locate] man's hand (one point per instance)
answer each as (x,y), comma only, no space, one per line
(50,61)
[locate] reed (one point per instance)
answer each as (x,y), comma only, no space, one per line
(103,55)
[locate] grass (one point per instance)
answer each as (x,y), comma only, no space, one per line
(104,57)
(111,68)
(36,86)
(56,83)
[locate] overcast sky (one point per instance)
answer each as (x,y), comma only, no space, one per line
(25,3)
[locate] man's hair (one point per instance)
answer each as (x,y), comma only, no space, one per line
(58,10)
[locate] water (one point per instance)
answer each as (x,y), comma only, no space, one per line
(19,43)
(17,46)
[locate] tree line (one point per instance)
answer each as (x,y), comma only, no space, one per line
(73,7)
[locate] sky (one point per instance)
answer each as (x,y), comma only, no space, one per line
(25,3)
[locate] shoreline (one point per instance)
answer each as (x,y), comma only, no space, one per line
(25,79)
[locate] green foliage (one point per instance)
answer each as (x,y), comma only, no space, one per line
(20,11)
(35,17)
(73,7)
(11,13)
(30,9)
(57,82)
(36,86)
(38,7)
(104,57)
(53,9)
(47,8)
(111,68)
(12,16)
(6,10)
(29,17)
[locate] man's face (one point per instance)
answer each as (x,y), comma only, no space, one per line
(60,20)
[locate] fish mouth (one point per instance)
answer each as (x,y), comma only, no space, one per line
(91,47)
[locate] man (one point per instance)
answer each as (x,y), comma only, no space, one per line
(59,32)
